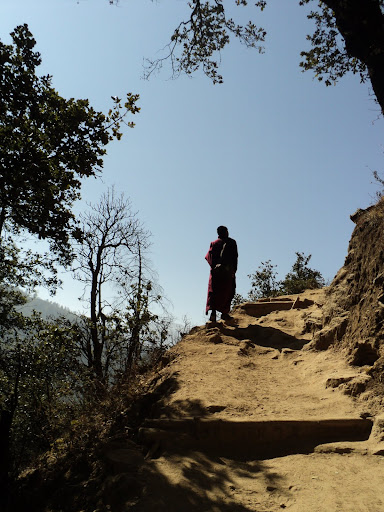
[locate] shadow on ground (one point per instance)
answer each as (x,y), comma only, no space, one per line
(263,336)
(197,482)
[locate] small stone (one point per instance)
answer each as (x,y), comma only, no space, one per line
(335,382)
(215,338)
(287,351)
(216,408)
(378,451)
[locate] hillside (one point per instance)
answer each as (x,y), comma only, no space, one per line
(253,420)
(243,416)
(48,309)
(280,408)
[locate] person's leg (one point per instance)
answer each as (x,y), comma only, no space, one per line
(212,318)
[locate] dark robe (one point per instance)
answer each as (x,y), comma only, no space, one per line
(222,284)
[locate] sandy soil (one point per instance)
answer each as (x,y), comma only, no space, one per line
(248,369)
(298,483)
(261,369)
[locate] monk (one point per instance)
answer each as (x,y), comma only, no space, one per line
(222,258)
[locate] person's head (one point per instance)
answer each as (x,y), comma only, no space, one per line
(222,232)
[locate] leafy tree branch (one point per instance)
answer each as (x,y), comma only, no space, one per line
(198,41)
(47,146)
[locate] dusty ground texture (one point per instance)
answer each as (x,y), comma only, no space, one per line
(252,368)
(261,369)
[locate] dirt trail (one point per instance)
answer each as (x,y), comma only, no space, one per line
(243,384)
(220,375)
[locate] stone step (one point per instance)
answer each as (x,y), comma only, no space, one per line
(250,438)
(258,309)
(265,306)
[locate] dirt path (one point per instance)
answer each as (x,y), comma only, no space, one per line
(237,381)
(257,371)
(298,483)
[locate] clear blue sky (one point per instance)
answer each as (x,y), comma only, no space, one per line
(273,154)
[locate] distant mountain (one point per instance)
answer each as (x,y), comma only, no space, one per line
(47,309)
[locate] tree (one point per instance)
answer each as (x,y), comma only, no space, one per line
(348,36)
(110,256)
(103,256)
(380,183)
(47,145)
(143,327)
(301,277)
(264,282)
(39,373)
(196,42)
(238,299)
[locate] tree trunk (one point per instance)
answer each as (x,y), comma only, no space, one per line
(134,341)
(361,24)
(97,350)
(6,418)
(97,346)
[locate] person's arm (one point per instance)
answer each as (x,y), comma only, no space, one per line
(234,255)
(208,256)
(213,255)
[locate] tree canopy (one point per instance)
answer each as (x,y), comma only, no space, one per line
(47,145)
(265,283)
(348,37)
(110,244)
(302,277)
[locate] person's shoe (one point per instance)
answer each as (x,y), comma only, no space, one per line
(225,316)
(212,318)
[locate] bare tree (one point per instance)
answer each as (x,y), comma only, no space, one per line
(147,331)
(112,241)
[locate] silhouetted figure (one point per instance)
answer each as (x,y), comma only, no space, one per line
(222,258)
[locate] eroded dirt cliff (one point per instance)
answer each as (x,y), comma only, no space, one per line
(353,311)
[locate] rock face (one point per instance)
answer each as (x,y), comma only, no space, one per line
(353,314)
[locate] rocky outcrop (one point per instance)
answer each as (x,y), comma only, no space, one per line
(353,315)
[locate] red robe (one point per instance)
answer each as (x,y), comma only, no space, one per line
(221,285)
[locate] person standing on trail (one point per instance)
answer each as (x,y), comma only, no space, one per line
(222,258)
